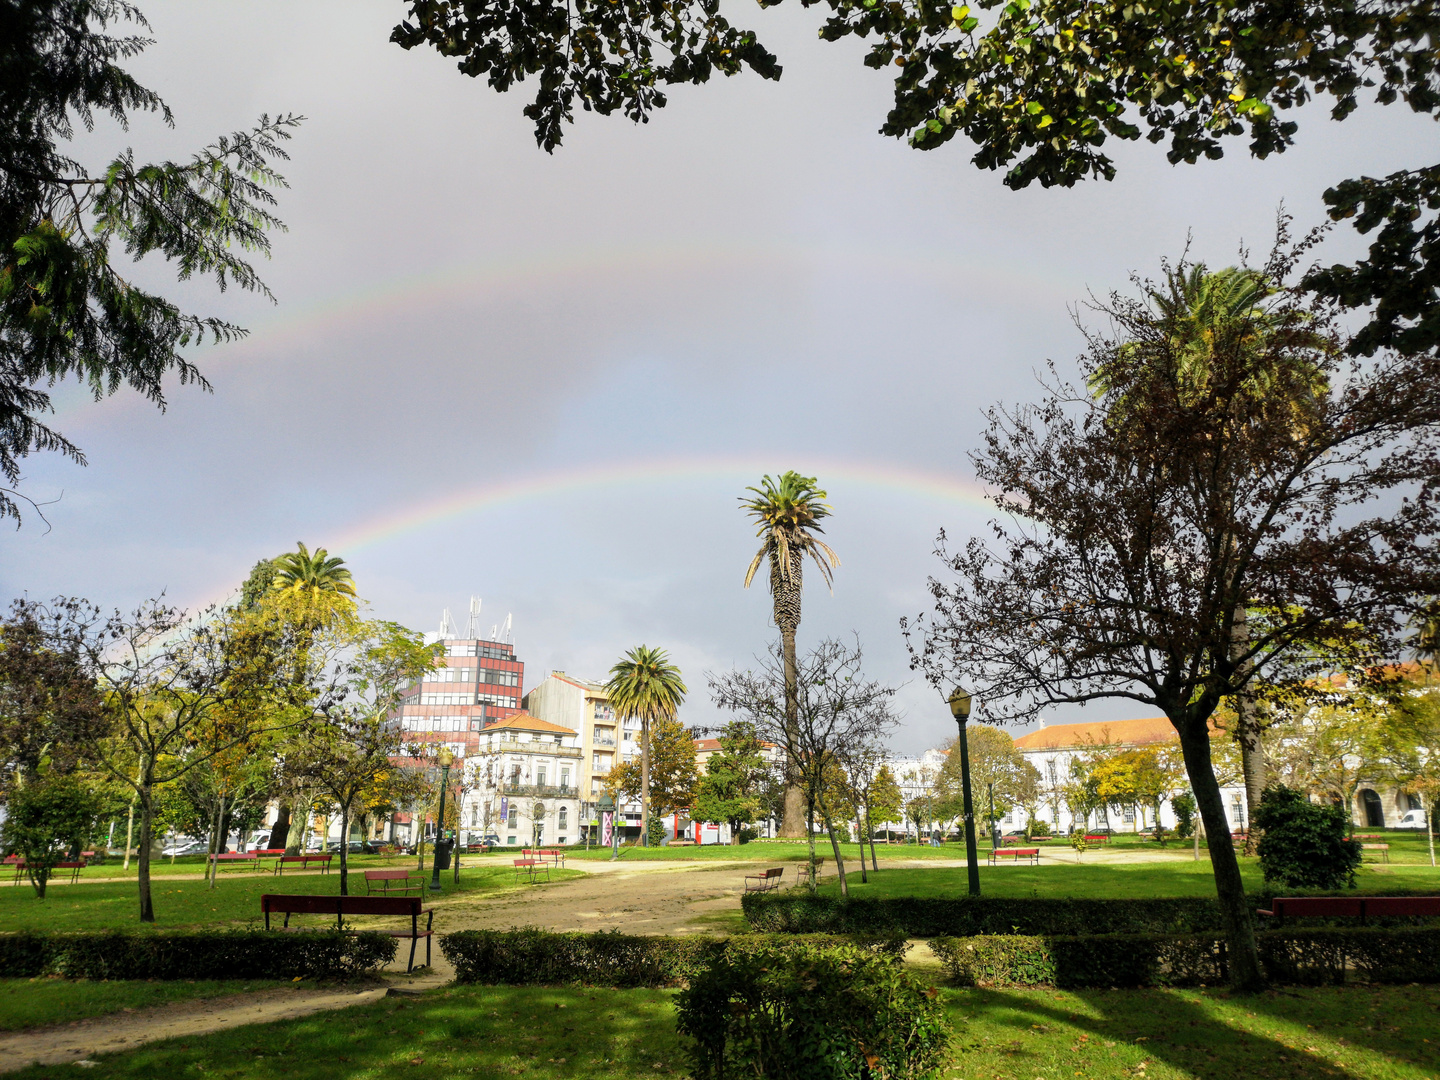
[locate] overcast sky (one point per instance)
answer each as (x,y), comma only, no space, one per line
(545,380)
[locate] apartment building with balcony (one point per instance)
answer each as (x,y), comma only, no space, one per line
(522,784)
(584,706)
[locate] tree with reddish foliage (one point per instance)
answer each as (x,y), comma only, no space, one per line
(1139,514)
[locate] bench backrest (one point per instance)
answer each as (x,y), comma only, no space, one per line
(525,862)
(293,858)
(1026,850)
(341,905)
(776,872)
(386,875)
(270,851)
(234,855)
(1300,906)
(1402,905)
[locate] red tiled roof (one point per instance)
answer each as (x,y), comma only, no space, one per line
(523,721)
(1151,729)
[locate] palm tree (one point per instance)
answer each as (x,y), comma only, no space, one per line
(788,512)
(645,684)
(1427,635)
(1223,344)
(317,581)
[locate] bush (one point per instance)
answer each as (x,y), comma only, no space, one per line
(532,957)
(747,833)
(1298,957)
(1184,807)
(813,1012)
(965,916)
(47,821)
(219,954)
(1303,844)
(1039,828)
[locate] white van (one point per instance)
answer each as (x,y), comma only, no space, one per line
(1413,819)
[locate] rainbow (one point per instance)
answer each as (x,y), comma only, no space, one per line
(539,487)
(397,297)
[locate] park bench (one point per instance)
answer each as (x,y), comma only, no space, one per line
(555,856)
(303,861)
(341,906)
(1016,854)
(1097,838)
(531,869)
(391,882)
(765,880)
(1383,849)
(73,867)
(803,874)
(679,843)
(235,860)
(1353,907)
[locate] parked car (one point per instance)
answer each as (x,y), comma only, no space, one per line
(1413,819)
(185,847)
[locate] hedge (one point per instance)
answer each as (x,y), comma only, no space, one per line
(809,1011)
(798,912)
(219,954)
(531,957)
(1324,957)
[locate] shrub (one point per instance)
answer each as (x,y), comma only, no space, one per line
(1303,844)
(1184,807)
(1298,957)
(218,954)
(1039,828)
(46,821)
(813,1012)
(964,916)
(528,956)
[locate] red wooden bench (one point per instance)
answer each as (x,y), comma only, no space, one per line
(387,880)
(1097,838)
(1383,849)
(555,856)
(340,906)
(1016,854)
(1352,907)
(237,860)
(765,880)
(303,861)
(531,869)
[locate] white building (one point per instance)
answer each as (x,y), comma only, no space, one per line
(522,783)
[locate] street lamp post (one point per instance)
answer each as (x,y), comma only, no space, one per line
(994,832)
(960,709)
(445,758)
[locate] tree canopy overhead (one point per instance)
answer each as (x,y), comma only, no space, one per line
(65,309)
(1040,87)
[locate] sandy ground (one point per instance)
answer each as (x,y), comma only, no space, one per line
(635,897)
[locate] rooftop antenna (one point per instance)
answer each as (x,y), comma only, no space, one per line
(472,625)
(505,630)
(447,626)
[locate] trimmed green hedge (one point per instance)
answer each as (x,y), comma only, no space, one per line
(798,912)
(805,1011)
(220,954)
(531,957)
(1299,957)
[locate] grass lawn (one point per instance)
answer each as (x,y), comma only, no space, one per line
(570,1034)
(27,1003)
(190,903)
(1181,877)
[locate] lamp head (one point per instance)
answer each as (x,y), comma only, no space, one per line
(960,704)
(446,757)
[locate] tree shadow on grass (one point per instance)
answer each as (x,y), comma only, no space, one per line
(1175,1028)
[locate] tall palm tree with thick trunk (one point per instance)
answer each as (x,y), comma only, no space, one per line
(788,512)
(647,685)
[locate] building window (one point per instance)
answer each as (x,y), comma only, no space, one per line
(1237,809)
(540,775)
(513,820)
(564,817)
(564,778)
(510,840)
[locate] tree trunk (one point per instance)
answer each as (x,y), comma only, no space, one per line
(839,861)
(147,823)
(129,833)
(1247,727)
(344,849)
(213,847)
(644,781)
(280,831)
(870,833)
(1245,972)
(810,839)
(1430,827)
(787,596)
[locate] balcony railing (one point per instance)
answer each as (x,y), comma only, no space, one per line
(514,746)
(603,742)
(547,791)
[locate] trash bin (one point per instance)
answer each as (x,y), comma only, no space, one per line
(442,854)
